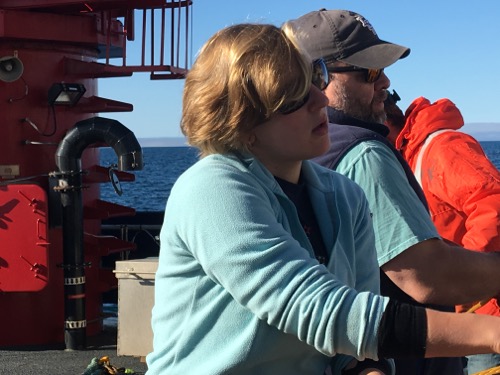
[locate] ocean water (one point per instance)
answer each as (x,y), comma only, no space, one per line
(152,185)
(492,150)
(162,166)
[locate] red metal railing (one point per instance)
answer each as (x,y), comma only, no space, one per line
(164,29)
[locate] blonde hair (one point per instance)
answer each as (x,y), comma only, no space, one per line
(242,76)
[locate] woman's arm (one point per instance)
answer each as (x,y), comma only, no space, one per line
(242,240)
(456,335)
(408,331)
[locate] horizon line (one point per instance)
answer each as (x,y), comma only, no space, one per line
(481,131)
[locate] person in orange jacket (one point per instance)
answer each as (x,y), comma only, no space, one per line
(461,185)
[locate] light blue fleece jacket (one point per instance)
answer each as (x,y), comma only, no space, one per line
(238,289)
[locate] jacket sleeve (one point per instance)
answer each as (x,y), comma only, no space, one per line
(231,225)
(460,174)
(365,270)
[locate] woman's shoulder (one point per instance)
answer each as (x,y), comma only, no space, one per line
(219,171)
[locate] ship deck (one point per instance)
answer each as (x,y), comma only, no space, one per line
(55,360)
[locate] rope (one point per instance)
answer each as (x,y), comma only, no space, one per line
(478,305)
(490,371)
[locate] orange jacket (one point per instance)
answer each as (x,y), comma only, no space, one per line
(460,183)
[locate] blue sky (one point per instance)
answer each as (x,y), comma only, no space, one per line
(455,54)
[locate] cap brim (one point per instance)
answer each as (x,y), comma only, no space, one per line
(378,56)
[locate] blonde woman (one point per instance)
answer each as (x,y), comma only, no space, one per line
(267,261)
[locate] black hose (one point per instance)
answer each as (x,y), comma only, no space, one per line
(68,160)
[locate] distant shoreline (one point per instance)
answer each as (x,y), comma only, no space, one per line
(163,142)
(483,132)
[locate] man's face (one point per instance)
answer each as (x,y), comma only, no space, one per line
(349,92)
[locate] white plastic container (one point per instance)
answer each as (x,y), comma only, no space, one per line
(135,302)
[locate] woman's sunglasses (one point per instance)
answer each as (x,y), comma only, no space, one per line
(371,75)
(320,79)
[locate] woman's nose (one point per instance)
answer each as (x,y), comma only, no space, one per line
(318,97)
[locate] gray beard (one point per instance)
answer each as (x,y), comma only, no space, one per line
(355,108)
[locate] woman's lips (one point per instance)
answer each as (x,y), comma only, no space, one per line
(321,129)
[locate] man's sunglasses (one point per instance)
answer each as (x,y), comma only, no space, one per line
(320,79)
(371,75)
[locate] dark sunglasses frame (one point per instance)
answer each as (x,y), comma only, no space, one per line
(320,79)
(371,75)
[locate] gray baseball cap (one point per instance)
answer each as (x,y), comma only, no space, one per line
(345,36)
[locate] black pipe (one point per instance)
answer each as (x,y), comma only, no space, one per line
(68,160)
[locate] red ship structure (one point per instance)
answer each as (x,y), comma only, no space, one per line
(52,248)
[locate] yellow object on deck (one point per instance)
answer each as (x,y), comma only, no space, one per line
(477,306)
(490,371)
